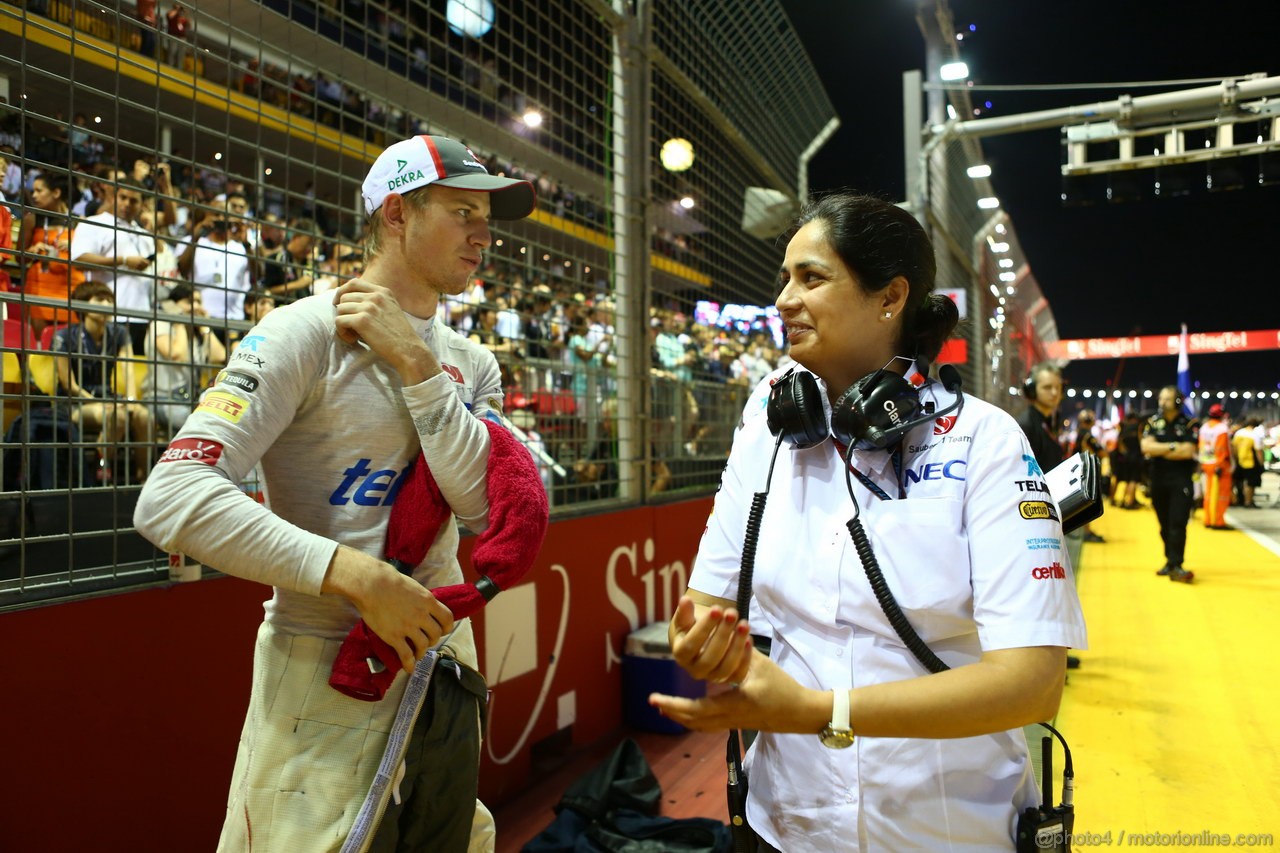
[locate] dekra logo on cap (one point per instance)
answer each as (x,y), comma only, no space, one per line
(401,180)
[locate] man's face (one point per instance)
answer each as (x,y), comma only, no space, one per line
(128,202)
(1048,389)
(447,237)
(1168,400)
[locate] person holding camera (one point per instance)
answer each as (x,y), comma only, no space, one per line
(113,249)
(860,746)
(218,261)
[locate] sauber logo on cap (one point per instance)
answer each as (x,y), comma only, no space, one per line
(193,450)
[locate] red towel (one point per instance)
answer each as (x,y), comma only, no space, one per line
(503,554)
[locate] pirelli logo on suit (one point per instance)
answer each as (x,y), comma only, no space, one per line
(226,406)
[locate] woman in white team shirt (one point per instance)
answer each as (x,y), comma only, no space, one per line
(861,748)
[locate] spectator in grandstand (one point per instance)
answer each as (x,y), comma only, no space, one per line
(287,272)
(112,248)
(180,351)
(46,231)
(1126,461)
(542,329)
(217,260)
(95,355)
(1169,442)
(178,28)
(338,395)
(257,304)
(85,150)
(145,11)
(861,316)
(10,175)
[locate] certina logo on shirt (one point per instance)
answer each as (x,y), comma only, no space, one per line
(192,450)
(951,470)
(242,381)
(454,373)
(1053,572)
(1037,509)
(366,487)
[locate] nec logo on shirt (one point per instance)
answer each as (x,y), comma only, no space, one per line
(1053,572)
(952,470)
(367,487)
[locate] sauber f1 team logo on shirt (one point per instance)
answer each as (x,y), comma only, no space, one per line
(943,425)
(226,406)
(454,373)
(192,450)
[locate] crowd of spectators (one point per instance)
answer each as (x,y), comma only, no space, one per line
(185,255)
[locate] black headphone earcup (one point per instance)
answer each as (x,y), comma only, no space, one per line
(1029,387)
(879,409)
(795,410)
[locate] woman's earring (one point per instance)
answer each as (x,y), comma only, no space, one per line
(888,314)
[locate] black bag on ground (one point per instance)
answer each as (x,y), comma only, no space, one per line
(614,809)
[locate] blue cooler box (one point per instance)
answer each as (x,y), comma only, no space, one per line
(647,667)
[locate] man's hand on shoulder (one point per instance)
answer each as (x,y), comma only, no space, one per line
(369,314)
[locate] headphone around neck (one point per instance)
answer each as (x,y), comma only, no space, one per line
(879,408)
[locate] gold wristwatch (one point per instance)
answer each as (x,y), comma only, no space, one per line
(838,734)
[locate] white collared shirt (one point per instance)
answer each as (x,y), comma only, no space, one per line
(103,234)
(976,563)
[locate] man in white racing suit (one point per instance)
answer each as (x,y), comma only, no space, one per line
(336,395)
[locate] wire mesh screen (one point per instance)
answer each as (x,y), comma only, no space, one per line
(169,180)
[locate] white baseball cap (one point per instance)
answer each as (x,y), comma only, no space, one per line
(422,160)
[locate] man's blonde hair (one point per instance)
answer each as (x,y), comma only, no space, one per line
(418,199)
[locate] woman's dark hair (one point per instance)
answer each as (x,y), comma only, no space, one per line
(878,242)
(59,182)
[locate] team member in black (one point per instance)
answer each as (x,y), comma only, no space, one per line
(1043,389)
(1169,441)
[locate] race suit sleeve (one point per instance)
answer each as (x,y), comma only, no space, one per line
(454,442)
(192,502)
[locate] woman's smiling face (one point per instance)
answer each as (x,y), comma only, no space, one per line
(833,327)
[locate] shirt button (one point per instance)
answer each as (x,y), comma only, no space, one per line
(839,653)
